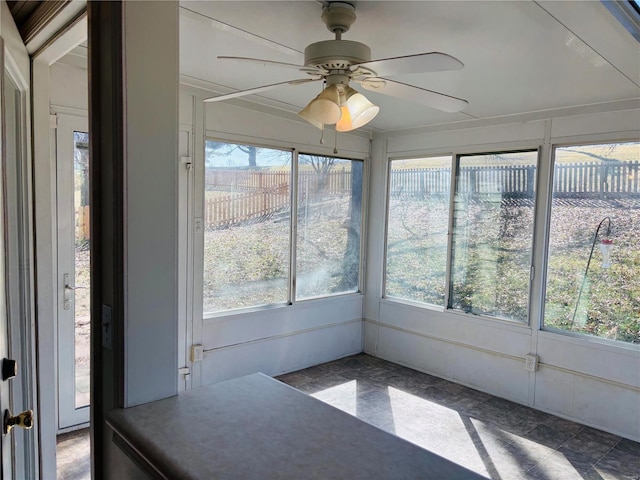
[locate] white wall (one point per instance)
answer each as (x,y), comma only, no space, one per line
(283,338)
(151,203)
(583,379)
(69,89)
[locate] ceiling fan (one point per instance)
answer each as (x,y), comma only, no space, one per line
(338,62)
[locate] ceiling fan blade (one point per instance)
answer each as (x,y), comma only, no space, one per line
(264,88)
(440,101)
(302,68)
(419,63)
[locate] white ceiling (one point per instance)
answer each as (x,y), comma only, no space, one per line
(519,56)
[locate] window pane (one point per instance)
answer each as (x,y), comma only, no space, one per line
(246,220)
(493,234)
(329,222)
(418,220)
(82,282)
(595,186)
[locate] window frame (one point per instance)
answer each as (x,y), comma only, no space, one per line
(200,254)
(363,231)
(408,301)
(450,258)
(575,141)
(293,218)
(455,154)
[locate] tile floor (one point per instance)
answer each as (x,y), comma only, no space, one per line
(495,437)
(492,436)
(73,457)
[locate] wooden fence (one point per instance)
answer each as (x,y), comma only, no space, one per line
(604,180)
(82,223)
(255,195)
(232,209)
(334,182)
(576,180)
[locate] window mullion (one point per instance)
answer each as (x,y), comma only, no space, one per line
(541,238)
(293,239)
(452,196)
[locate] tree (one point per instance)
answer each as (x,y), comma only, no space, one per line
(321,165)
(81,164)
(225,149)
(251,153)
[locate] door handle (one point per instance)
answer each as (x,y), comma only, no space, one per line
(68,291)
(22,420)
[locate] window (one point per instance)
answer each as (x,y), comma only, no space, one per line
(329,226)
(493,234)
(246,226)
(248,242)
(418,219)
(593,273)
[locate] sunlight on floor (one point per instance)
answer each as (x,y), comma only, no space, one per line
(492,436)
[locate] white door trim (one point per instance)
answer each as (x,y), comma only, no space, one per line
(45,242)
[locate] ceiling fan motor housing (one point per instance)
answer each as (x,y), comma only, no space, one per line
(336,54)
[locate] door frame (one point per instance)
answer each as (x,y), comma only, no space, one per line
(44,178)
(21,294)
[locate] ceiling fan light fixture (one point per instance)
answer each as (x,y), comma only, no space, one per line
(357,111)
(305,113)
(325,108)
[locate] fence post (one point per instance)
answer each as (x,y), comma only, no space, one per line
(603,179)
(530,175)
(472,180)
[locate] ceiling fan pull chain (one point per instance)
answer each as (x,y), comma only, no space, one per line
(322,135)
(335,144)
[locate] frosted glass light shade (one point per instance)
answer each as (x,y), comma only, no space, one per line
(325,108)
(306,114)
(356,111)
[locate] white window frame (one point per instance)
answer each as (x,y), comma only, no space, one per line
(455,154)
(579,141)
(386,235)
(198,283)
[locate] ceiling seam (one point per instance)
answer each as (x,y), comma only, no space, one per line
(587,44)
(240,30)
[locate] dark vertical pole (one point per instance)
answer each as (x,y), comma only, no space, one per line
(106,166)
(352,255)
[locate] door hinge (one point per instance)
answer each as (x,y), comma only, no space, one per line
(184,371)
(53,121)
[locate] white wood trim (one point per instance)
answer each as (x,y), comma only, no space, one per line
(45,240)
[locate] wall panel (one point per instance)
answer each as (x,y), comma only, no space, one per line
(277,355)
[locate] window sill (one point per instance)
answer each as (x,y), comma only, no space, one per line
(298,305)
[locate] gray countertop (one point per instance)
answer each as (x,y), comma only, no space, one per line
(255,427)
